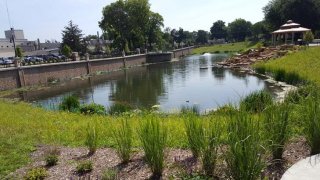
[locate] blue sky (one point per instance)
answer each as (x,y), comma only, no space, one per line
(45,19)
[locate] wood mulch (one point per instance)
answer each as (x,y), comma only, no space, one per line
(178,162)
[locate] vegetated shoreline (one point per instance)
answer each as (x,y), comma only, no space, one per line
(175,143)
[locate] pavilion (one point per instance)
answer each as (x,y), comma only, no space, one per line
(290,32)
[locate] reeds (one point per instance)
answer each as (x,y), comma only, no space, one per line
(91,139)
(153,137)
(70,103)
(256,102)
(244,157)
(123,138)
(276,120)
(195,133)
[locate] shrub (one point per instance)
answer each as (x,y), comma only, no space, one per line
(153,137)
(119,108)
(36,174)
(193,109)
(93,108)
(210,147)
(256,102)
(51,160)
(109,174)
(123,139)
(276,120)
(91,139)
(70,103)
(312,115)
(195,133)
(84,167)
(244,157)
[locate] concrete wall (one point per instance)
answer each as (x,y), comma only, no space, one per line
(11,78)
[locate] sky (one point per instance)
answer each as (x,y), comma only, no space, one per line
(45,19)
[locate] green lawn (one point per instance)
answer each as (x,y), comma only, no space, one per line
(224,48)
(305,63)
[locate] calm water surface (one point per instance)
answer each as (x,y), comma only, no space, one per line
(192,80)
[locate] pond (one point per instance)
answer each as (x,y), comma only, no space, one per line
(193,80)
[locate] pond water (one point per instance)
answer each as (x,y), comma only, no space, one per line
(191,81)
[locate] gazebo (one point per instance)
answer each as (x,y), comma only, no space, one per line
(289,31)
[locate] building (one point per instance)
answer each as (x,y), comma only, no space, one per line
(29,47)
(288,33)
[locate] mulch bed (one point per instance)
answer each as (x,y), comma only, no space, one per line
(178,162)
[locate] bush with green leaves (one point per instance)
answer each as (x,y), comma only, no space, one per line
(245,153)
(70,103)
(84,167)
(153,137)
(212,140)
(90,109)
(119,108)
(256,102)
(123,138)
(91,139)
(36,174)
(195,132)
(276,121)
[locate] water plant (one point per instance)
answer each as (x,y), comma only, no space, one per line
(36,174)
(123,138)
(212,140)
(195,132)
(276,120)
(70,103)
(93,108)
(119,108)
(244,156)
(256,102)
(153,137)
(91,139)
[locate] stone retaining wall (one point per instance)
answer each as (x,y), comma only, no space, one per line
(17,77)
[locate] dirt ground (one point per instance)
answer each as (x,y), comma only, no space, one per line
(179,163)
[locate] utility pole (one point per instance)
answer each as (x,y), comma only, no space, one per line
(13,37)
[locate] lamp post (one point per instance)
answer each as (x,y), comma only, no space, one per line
(13,41)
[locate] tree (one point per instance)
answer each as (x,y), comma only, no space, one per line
(66,51)
(202,37)
(260,30)
(72,36)
(305,12)
(131,23)
(19,52)
(308,37)
(219,30)
(239,29)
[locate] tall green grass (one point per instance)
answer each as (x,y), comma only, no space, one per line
(195,133)
(230,47)
(190,109)
(119,107)
(153,137)
(92,139)
(123,138)
(312,119)
(245,154)
(70,103)
(256,102)
(276,121)
(212,139)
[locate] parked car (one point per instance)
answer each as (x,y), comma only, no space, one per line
(5,61)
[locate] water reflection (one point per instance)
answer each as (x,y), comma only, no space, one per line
(192,80)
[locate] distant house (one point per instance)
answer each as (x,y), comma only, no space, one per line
(288,33)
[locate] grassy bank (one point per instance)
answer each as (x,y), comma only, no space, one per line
(305,64)
(224,48)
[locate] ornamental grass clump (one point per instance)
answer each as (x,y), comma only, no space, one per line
(123,138)
(70,103)
(312,119)
(244,156)
(36,174)
(153,137)
(190,109)
(276,120)
(195,133)
(211,143)
(91,139)
(256,102)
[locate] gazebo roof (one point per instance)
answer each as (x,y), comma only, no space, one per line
(290,27)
